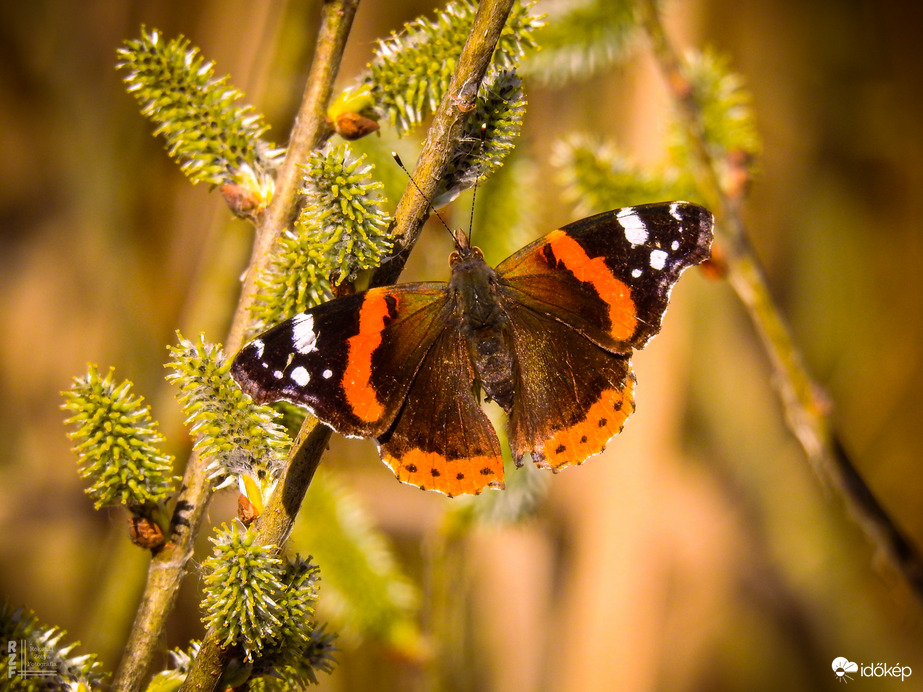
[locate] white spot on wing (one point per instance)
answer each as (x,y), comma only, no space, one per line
(674,211)
(658,259)
(258,346)
(300,376)
(327,374)
(303,336)
(674,245)
(277,374)
(636,273)
(635,229)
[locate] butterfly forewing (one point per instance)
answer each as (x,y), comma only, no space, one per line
(329,359)
(609,276)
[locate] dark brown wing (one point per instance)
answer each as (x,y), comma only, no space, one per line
(572,396)
(441,439)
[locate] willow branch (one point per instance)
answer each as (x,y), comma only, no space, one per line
(309,132)
(446,129)
(807,408)
(164,575)
(274,525)
(168,567)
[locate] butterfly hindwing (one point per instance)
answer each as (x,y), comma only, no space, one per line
(441,439)
(589,390)
(331,358)
(609,276)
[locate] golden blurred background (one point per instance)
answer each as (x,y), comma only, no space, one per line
(699,552)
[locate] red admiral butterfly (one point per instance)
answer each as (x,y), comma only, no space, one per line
(548,335)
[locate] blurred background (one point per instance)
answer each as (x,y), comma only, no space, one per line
(699,552)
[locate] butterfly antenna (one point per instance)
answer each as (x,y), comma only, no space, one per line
(400,163)
(474,192)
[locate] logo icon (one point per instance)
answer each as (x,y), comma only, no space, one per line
(842,666)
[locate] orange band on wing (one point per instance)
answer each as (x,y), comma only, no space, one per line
(432,471)
(605,418)
(595,272)
(357,379)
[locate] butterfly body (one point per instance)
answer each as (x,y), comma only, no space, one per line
(547,334)
(475,292)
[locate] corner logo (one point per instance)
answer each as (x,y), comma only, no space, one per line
(27,659)
(842,667)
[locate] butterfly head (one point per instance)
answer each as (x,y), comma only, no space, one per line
(464,250)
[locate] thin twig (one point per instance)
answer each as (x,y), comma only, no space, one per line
(308,133)
(275,523)
(448,123)
(807,408)
(168,567)
(164,576)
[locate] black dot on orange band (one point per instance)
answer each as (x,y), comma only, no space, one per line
(460,477)
(617,405)
(603,422)
(486,471)
(560,449)
(583,440)
(411,468)
(434,472)
(549,255)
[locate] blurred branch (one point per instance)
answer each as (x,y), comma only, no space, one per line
(807,408)
(168,567)
(275,523)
